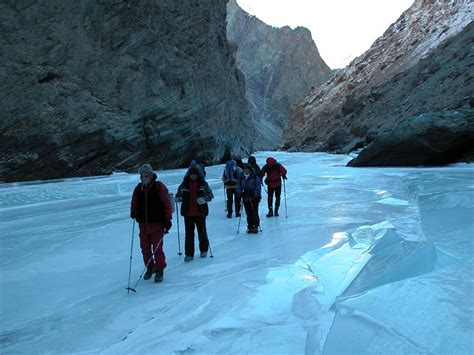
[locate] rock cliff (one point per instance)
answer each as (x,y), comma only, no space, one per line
(94,87)
(280,66)
(414,82)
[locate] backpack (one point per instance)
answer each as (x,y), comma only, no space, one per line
(229,173)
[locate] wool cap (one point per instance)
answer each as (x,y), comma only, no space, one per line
(145,169)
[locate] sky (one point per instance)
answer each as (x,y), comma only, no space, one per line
(341,29)
(378,257)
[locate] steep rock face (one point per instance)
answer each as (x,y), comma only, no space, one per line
(93,87)
(280,66)
(420,66)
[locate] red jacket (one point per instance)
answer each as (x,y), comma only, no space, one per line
(274,173)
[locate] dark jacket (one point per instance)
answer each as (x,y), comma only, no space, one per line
(204,191)
(151,203)
(253,162)
(250,187)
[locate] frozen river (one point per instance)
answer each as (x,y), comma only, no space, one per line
(369,261)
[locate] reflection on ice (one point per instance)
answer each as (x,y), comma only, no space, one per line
(370,261)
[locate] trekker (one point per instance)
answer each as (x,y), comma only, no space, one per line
(239,162)
(275,171)
(250,189)
(253,162)
(151,207)
(230,178)
(194,193)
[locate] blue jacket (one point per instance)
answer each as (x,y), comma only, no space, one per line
(250,187)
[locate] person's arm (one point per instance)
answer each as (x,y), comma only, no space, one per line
(208,195)
(263,170)
(282,170)
(179,194)
(239,185)
(166,200)
(134,202)
(258,188)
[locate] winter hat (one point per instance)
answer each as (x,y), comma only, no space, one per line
(271,161)
(145,169)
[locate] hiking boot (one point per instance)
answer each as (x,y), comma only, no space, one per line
(229,215)
(159,276)
(276,212)
(149,273)
(254,230)
(237,215)
(188,258)
(203,254)
(270,212)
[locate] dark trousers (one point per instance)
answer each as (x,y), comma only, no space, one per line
(277,192)
(231,193)
(200,223)
(251,209)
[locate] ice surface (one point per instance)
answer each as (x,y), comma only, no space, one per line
(369,261)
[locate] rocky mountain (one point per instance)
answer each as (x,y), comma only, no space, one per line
(88,88)
(280,66)
(408,99)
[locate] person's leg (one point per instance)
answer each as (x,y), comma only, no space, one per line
(230,195)
(270,201)
(277,199)
(270,198)
(248,212)
(159,255)
(189,237)
(256,216)
(237,204)
(202,234)
(145,245)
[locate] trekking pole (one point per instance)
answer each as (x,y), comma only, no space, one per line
(284,190)
(131,253)
(146,266)
(210,250)
(177,224)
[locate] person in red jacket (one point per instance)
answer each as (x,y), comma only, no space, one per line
(194,193)
(275,172)
(151,208)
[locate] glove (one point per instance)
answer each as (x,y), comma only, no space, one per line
(284,177)
(132,215)
(178,199)
(167,225)
(201,201)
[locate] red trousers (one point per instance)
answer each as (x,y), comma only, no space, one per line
(150,236)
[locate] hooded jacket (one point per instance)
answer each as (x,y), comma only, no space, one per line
(203,191)
(274,171)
